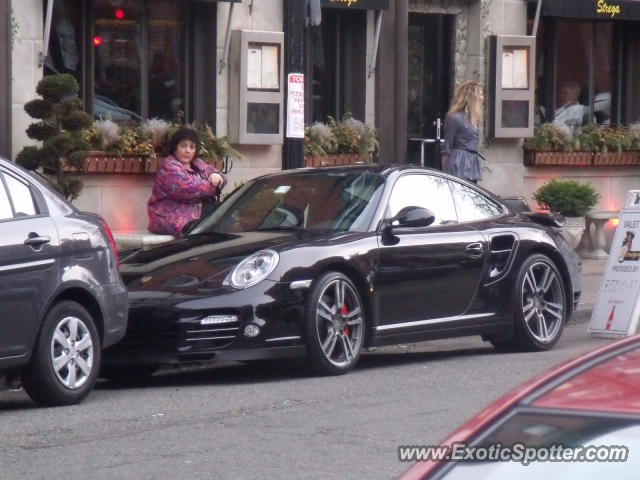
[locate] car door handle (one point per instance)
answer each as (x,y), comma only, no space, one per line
(474,250)
(35,240)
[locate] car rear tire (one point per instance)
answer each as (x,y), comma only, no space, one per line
(66,357)
(335,325)
(540,304)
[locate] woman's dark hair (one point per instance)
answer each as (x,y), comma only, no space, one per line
(184,134)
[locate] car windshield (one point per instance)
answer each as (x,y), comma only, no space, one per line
(306,200)
(551,436)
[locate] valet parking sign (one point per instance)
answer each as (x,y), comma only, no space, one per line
(618,304)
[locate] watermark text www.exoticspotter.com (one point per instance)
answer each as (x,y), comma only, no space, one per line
(518,452)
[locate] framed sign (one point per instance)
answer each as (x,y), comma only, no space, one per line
(295,105)
(618,304)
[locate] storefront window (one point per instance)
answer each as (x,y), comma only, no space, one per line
(588,72)
(136,59)
(336,54)
(117,43)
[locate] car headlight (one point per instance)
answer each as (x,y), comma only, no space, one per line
(254,269)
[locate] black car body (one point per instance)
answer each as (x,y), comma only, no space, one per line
(347,258)
(58,278)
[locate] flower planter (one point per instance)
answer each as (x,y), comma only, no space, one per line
(101,163)
(540,158)
(332,160)
(626,157)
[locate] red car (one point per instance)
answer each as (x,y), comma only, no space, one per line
(577,421)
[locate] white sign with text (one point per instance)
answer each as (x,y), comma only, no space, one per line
(617,307)
(295,105)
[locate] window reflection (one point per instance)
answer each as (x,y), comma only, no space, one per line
(570,431)
(166,72)
(472,205)
(116,43)
(5,206)
(21,197)
(426,191)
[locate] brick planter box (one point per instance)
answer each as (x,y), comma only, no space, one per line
(536,158)
(626,157)
(99,163)
(539,158)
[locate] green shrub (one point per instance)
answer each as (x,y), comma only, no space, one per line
(567,197)
(59,128)
(55,88)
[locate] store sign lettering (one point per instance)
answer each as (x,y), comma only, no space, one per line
(605,9)
(348,2)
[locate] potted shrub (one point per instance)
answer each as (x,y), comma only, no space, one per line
(555,145)
(346,142)
(60,125)
(571,199)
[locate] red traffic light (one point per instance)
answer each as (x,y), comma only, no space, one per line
(119,13)
(97,41)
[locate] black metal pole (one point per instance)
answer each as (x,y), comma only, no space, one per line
(294,25)
(5,79)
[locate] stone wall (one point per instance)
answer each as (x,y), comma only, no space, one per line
(26,72)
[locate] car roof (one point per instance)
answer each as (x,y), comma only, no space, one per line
(56,203)
(608,383)
(383,169)
(604,381)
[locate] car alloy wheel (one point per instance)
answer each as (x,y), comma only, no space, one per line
(72,352)
(541,305)
(337,324)
(66,356)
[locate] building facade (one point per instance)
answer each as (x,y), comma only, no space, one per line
(391,63)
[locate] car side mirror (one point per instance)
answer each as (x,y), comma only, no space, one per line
(411,217)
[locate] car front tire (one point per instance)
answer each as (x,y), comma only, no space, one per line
(335,326)
(540,304)
(66,357)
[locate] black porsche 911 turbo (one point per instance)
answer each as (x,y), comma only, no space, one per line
(327,262)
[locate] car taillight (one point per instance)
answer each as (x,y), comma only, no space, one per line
(113,242)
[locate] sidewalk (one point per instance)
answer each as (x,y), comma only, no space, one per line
(592,271)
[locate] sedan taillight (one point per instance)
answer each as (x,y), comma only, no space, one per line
(113,242)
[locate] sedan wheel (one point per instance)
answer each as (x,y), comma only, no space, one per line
(540,303)
(336,324)
(66,357)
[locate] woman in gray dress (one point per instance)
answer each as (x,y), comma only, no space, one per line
(460,155)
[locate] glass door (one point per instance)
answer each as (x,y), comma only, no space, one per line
(431,52)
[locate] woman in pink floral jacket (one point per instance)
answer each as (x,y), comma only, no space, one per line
(182,183)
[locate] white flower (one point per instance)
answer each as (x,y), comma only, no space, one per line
(563,131)
(156,128)
(320,132)
(109,129)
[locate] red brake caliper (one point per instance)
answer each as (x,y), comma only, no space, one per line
(345,312)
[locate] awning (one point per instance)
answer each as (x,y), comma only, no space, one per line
(356,4)
(593,9)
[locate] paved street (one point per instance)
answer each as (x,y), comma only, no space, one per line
(263,422)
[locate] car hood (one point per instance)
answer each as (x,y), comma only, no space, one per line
(206,258)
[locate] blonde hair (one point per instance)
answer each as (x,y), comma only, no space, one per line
(468,99)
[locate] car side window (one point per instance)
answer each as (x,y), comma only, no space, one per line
(472,205)
(21,197)
(5,206)
(427,191)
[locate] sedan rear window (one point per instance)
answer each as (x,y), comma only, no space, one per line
(5,206)
(21,196)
